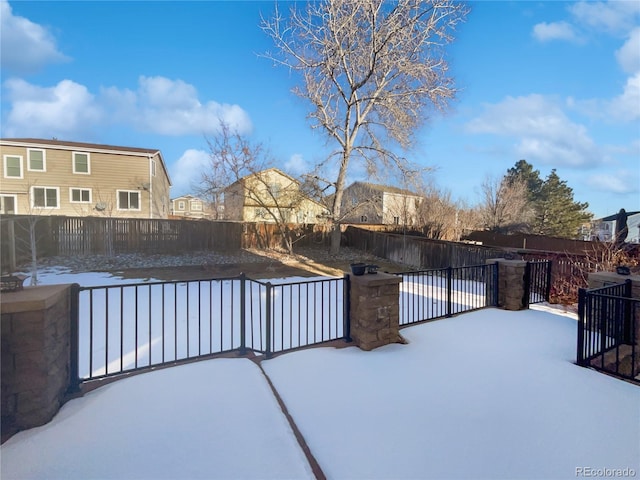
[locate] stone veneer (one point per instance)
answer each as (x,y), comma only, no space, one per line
(375,310)
(35,336)
(511,283)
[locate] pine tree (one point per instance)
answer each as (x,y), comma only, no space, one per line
(555,212)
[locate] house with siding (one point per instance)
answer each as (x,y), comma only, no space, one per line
(191,207)
(365,202)
(53,177)
(271,195)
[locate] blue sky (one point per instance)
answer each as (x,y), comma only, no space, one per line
(555,83)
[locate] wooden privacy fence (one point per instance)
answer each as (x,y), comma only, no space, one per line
(71,236)
(58,235)
(417,251)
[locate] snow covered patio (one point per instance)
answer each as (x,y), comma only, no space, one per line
(488,394)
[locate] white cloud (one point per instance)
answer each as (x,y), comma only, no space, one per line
(297,165)
(628,55)
(159,105)
(65,110)
(542,131)
(621,182)
(185,172)
(626,106)
(623,108)
(25,47)
(545,32)
(615,17)
(171,107)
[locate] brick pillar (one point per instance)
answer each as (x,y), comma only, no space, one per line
(375,310)
(35,335)
(511,283)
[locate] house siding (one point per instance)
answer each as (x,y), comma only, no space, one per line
(248,200)
(109,173)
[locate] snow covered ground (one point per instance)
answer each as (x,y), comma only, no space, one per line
(488,394)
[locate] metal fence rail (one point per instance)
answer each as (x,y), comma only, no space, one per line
(537,282)
(295,314)
(429,294)
(123,328)
(607,336)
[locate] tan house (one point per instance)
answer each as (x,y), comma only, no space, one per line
(364,202)
(269,196)
(52,177)
(188,206)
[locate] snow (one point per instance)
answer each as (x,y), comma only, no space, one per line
(487,394)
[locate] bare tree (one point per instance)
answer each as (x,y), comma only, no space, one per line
(370,70)
(239,173)
(505,207)
(438,214)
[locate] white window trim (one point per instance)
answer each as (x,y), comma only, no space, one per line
(57,189)
(71,200)
(15,202)
(195,203)
(153,168)
(137,192)
(182,206)
(21,166)
(73,163)
(44,159)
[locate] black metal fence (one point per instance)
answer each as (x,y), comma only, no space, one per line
(607,335)
(537,282)
(430,294)
(124,328)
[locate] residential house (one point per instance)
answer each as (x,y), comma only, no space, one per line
(271,195)
(364,202)
(53,177)
(188,206)
(604,229)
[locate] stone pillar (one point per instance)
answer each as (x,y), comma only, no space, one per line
(511,283)
(35,335)
(375,310)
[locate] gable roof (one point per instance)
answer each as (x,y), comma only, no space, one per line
(280,172)
(384,188)
(95,147)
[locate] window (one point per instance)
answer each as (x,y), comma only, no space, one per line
(45,197)
(274,189)
(8,204)
(181,205)
(128,200)
(196,205)
(396,220)
(13,166)
(80,195)
(81,163)
(363,218)
(36,160)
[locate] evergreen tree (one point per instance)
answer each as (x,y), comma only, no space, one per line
(523,172)
(555,212)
